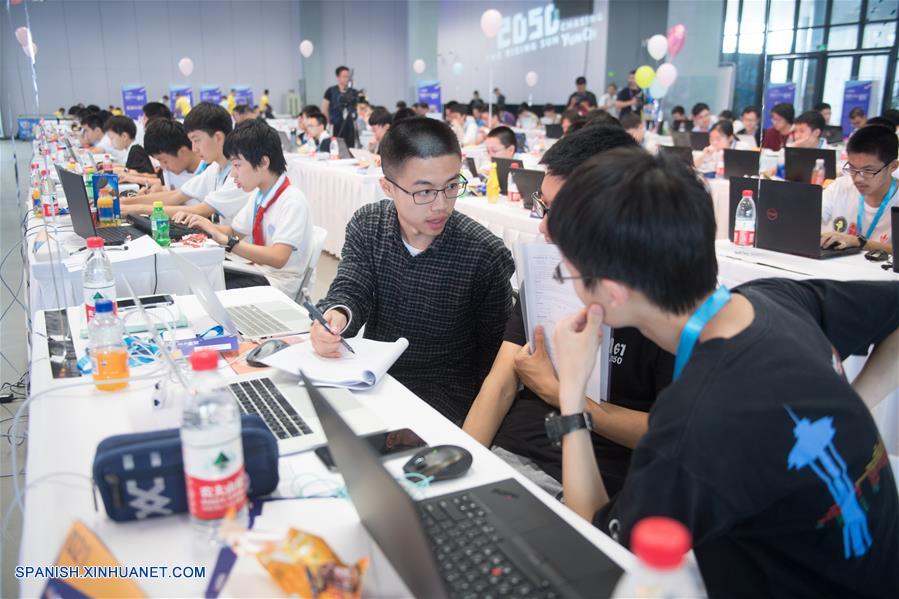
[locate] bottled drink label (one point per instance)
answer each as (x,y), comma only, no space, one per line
(94,293)
(108,364)
(214,475)
(745,237)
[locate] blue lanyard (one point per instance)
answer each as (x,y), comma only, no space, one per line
(260,200)
(883,206)
(220,179)
(690,335)
(201,168)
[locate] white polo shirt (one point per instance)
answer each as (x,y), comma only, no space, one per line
(839,211)
(289,222)
(217,189)
(175,181)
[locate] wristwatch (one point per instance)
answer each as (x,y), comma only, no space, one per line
(232,241)
(862,241)
(558,426)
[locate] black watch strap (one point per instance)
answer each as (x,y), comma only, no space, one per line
(862,241)
(232,241)
(558,426)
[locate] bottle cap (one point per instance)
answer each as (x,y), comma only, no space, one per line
(747,192)
(103,306)
(660,542)
(157,204)
(204,359)
(94,242)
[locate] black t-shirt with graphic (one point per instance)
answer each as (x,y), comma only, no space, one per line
(766,453)
(639,371)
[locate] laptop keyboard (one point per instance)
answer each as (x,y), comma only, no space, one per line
(466,547)
(118,234)
(253,322)
(261,396)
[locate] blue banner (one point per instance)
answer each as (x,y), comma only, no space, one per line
(26,126)
(429,93)
(856,94)
(211,94)
(133,99)
(778,93)
(184,90)
(243,95)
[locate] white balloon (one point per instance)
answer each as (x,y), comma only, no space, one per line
(531,78)
(306,48)
(186,66)
(419,66)
(656,90)
(666,74)
(657,46)
(491,22)
(458,68)
(22,35)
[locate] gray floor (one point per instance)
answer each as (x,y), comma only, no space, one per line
(13,343)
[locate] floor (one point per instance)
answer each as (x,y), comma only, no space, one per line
(13,347)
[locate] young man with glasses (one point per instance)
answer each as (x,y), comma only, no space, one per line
(855,209)
(413,267)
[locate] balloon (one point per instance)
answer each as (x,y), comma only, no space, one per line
(419,66)
(657,46)
(657,90)
(458,68)
(16,2)
(491,22)
(644,76)
(666,74)
(676,36)
(306,48)
(22,34)
(186,66)
(30,52)
(531,78)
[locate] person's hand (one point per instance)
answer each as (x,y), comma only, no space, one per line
(709,150)
(535,370)
(577,340)
(327,343)
(842,240)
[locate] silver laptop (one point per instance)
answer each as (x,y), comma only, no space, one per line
(287,144)
(360,154)
(256,321)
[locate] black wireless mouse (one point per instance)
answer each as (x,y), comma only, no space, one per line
(441,462)
(263,351)
(877,256)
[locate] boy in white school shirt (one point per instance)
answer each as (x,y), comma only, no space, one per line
(212,191)
(274,229)
(855,209)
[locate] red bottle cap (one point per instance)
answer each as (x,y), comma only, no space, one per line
(204,359)
(660,542)
(747,192)
(94,242)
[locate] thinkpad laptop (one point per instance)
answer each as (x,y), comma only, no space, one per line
(80,210)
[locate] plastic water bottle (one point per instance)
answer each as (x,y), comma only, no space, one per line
(212,449)
(660,544)
(818,172)
(159,225)
(492,184)
(97,279)
(109,355)
(48,196)
(512,187)
(334,149)
(745,223)
(107,163)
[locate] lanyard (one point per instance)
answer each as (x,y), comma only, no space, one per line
(220,178)
(690,335)
(261,200)
(278,188)
(877,215)
(201,167)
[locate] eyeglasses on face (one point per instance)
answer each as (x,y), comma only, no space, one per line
(453,190)
(540,207)
(560,277)
(849,171)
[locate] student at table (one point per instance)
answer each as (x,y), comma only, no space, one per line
(511,421)
(242,113)
(464,125)
(379,121)
(316,131)
(550,116)
(679,120)
(274,229)
(95,138)
(500,143)
(413,267)
(748,125)
(778,134)
(150,111)
(308,110)
(122,131)
(855,209)
(212,191)
(760,446)
(702,117)
(825,109)
(167,142)
(857,118)
(721,137)
(808,129)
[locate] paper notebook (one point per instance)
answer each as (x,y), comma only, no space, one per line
(360,371)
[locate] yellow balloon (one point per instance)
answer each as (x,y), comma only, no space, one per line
(644,76)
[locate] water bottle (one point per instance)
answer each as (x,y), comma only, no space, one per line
(97,279)
(512,187)
(48,196)
(107,163)
(159,225)
(334,149)
(36,208)
(660,545)
(212,449)
(818,172)
(109,355)
(745,223)
(492,184)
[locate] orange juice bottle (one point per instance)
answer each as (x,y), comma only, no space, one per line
(109,356)
(492,185)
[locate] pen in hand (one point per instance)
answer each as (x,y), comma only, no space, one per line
(316,314)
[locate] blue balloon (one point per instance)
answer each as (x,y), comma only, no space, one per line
(657,91)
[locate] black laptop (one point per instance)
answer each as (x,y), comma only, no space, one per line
(800,162)
(678,153)
(681,139)
(699,140)
(80,210)
(528,181)
(789,220)
(833,135)
(503,165)
(741,163)
(496,539)
(554,131)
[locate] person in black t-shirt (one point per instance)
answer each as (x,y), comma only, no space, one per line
(513,423)
(581,95)
(760,445)
(338,99)
(630,98)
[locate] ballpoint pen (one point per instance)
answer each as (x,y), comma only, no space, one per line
(316,314)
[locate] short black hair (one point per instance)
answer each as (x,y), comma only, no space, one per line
(882,121)
(580,80)
(265,92)
(317,116)
(784,111)
(92,120)
(564,156)
(340,69)
(380,116)
(726,114)
(458,109)
(699,107)
(598,116)
(725,127)
(609,223)
(254,139)
(401,104)
(120,125)
(892,115)
(92,108)
(403,113)
(243,108)
(857,111)
(504,134)
(678,110)
(208,118)
(752,109)
(165,136)
(875,140)
(310,109)
(154,110)
(549,107)
(813,119)
(416,137)
(822,106)
(631,120)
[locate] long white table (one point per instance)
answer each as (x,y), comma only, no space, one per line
(67,422)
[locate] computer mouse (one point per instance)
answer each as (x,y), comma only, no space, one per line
(263,351)
(832,245)
(441,462)
(877,255)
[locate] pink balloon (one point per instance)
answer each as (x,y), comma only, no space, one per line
(16,2)
(676,37)
(30,52)
(186,66)
(22,35)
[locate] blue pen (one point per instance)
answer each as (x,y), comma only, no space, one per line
(316,314)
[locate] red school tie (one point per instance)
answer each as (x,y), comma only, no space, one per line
(257,221)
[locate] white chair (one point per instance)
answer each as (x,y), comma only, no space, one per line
(319,235)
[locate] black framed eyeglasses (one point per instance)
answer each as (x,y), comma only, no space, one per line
(849,171)
(560,278)
(452,191)
(540,207)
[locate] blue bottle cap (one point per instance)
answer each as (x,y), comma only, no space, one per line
(103,306)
